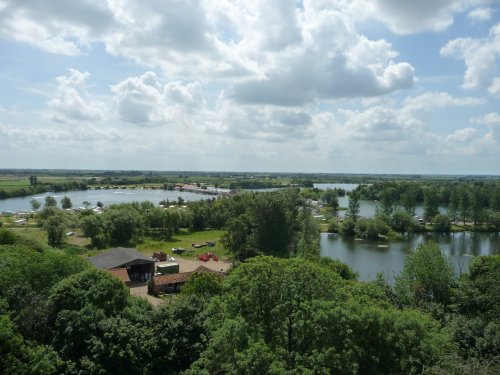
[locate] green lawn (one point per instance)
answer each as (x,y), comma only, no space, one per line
(185,239)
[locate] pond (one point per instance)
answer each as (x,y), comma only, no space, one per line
(370,257)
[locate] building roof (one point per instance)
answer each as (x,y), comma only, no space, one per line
(118,258)
(175,278)
(120,273)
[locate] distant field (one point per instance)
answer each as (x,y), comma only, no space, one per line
(10,183)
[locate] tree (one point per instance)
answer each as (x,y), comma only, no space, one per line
(93,227)
(35,205)
(454,204)
(66,203)
(86,204)
(402,222)
(477,330)
(307,244)
(330,198)
(295,316)
(427,276)
(431,203)
(409,200)
(353,206)
(478,204)
(203,284)
(17,357)
(237,238)
(55,226)
(386,201)
(123,224)
(50,201)
(442,223)
(348,227)
(272,224)
(464,203)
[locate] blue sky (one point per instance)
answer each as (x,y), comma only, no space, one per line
(373,86)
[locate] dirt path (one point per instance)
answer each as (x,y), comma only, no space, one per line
(188,265)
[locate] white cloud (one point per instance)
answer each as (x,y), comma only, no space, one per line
(53,25)
(266,123)
(326,67)
(407,17)
(71,101)
(462,135)
(430,101)
(480,14)
(479,55)
(16,136)
(494,88)
(148,101)
(492,118)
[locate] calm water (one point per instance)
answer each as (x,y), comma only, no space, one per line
(370,257)
(346,187)
(107,197)
(368,208)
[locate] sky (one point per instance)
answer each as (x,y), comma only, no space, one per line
(359,86)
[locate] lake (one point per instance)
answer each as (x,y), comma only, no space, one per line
(107,197)
(370,257)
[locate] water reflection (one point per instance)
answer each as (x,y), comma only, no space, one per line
(370,257)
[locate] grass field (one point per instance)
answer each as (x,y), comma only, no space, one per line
(11,183)
(185,239)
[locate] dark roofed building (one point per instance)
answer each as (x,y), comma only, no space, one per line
(138,266)
(173,282)
(121,274)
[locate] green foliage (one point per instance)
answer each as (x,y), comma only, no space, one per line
(330,198)
(342,269)
(294,316)
(203,284)
(431,203)
(386,201)
(55,226)
(333,226)
(427,277)
(17,357)
(50,201)
(402,222)
(348,227)
(93,227)
(66,203)
(266,226)
(7,237)
(370,229)
(442,223)
(35,204)
(478,290)
(237,238)
(307,243)
(353,206)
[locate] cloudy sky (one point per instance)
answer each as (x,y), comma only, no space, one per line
(375,86)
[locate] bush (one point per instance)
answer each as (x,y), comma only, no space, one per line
(348,227)
(333,226)
(442,223)
(7,237)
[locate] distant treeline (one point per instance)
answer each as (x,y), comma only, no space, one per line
(42,188)
(487,192)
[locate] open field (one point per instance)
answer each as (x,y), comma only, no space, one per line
(12,183)
(149,245)
(185,239)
